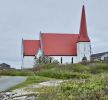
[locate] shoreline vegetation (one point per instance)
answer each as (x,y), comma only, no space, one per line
(85,82)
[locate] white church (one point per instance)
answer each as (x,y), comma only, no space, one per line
(65,48)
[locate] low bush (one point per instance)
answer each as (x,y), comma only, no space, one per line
(50,66)
(99,68)
(15,73)
(77,89)
(59,74)
(74,67)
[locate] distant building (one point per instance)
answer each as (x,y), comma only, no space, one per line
(65,48)
(100,56)
(4,66)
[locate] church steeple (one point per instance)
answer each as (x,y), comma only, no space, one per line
(83,36)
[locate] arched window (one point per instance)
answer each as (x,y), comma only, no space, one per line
(84,59)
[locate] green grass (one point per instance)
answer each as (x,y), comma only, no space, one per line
(99,68)
(64,71)
(72,70)
(94,88)
(59,74)
(16,73)
(86,82)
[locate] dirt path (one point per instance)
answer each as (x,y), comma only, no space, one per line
(22,93)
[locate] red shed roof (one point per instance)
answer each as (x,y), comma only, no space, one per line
(59,44)
(31,47)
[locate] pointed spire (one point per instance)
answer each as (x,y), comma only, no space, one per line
(83,36)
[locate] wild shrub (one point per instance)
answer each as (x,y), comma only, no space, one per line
(99,68)
(15,73)
(94,88)
(59,74)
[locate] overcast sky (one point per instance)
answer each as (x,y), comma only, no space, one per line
(26,18)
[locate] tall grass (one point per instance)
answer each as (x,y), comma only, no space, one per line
(94,88)
(15,73)
(71,70)
(59,74)
(99,68)
(85,82)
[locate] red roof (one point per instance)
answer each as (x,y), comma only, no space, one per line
(83,37)
(31,47)
(59,44)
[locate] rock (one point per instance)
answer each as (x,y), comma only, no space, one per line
(13,96)
(31,98)
(21,92)
(20,98)
(1,96)
(25,98)
(9,94)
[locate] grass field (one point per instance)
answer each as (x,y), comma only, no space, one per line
(85,82)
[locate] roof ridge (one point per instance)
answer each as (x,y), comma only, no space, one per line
(63,33)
